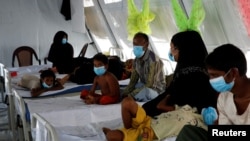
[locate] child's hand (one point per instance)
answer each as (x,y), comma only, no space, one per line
(59,80)
(89,100)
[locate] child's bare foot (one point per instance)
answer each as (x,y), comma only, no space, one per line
(63,80)
(146,135)
(105,130)
(33,90)
(87,101)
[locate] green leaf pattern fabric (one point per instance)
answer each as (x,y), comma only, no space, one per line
(139,21)
(197,15)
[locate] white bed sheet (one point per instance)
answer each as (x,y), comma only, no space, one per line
(71,117)
(69,87)
(74,120)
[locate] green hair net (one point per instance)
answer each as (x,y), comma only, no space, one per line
(138,21)
(197,16)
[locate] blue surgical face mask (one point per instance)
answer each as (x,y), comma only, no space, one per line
(99,70)
(138,51)
(220,85)
(64,41)
(171,56)
(46,86)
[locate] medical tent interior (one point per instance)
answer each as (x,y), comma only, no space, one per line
(104,26)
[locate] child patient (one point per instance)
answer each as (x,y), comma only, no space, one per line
(47,82)
(105,80)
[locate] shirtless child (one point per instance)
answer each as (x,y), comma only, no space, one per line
(106,81)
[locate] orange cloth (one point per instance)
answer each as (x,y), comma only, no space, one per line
(108,100)
(84,93)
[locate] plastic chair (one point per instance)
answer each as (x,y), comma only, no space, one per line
(23,124)
(24,55)
(44,131)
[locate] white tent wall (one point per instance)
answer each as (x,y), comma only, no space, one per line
(34,23)
(222,24)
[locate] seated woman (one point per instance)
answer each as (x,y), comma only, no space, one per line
(190,84)
(61,54)
(181,104)
(47,82)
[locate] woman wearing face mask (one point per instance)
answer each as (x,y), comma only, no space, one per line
(190,84)
(147,78)
(61,53)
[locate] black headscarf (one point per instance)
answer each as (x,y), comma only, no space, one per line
(61,55)
(192,50)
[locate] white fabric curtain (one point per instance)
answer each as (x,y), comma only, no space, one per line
(34,23)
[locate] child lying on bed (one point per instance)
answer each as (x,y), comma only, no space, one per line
(105,80)
(47,82)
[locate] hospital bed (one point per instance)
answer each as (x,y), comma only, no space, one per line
(66,115)
(44,130)
(7,98)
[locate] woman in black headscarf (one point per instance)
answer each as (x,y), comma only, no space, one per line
(61,53)
(190,84)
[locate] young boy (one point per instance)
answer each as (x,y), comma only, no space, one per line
(227,67)
(47,82)
(106,81)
